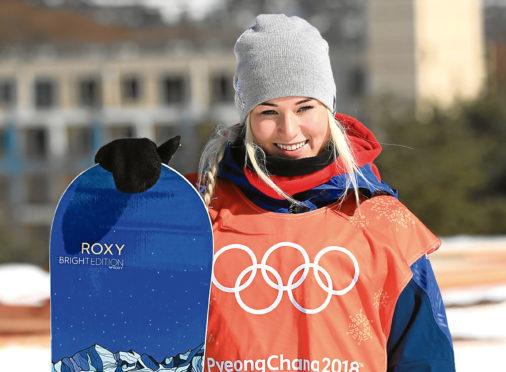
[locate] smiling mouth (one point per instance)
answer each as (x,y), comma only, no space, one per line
(291,147)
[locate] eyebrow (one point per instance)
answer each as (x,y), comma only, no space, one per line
(297,103)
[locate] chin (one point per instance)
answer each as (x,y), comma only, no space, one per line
(295,156)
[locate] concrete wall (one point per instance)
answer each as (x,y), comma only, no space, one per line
(391,48)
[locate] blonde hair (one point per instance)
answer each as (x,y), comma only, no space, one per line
(215,148)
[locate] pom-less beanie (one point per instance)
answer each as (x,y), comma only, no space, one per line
(281,56)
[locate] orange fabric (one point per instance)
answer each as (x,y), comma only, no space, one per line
(270,312)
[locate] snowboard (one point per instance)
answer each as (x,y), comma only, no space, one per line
(130,276)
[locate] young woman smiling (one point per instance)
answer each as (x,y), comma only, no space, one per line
(318,266)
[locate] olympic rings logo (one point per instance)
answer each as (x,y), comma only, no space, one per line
(291,285)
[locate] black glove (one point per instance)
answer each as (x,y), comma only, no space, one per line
(135,163)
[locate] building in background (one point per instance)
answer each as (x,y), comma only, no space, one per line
(427,51)
(495,38)
(75,76)
(69,84)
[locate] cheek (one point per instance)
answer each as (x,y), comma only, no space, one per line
(262,131)
(326,134)
(319,130)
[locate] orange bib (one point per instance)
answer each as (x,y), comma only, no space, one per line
(308,292)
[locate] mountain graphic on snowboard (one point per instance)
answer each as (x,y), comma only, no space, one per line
(98,358)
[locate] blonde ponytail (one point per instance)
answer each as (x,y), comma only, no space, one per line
(211,158)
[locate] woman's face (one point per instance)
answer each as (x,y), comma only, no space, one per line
(291,127)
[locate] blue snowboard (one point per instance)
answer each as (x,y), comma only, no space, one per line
(130,276)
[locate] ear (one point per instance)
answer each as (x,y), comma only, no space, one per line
(169,148)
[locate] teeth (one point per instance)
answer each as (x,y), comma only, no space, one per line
(291,147)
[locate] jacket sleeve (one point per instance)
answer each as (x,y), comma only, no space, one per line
(419,339)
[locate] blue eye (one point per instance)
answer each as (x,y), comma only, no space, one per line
(305,108)
(268,112)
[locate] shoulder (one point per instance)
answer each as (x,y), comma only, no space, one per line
(385,219)
(379,210)
(386,210)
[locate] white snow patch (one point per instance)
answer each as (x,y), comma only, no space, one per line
(462,296)
(23,284)
(481,322)
(478,330)
(470,242)
(39,358)
(472,357)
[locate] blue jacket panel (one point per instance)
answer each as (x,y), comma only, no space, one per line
(419,338)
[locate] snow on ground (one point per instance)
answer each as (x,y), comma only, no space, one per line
(472,357)
(481,322)
(479,333)
(38,357)
(472,296)
(463,242)
(476,313)
(23,284)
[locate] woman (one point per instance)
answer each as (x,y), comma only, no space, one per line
(318,266)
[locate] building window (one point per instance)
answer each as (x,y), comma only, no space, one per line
(131,89)
(164,131)
(89,92)
(121,131)
(3,143)
(80,141)
(37,188)
(7,93)
(35,143)
(4,190)
(173,90)
(356,82)
(222,89)
(45,93)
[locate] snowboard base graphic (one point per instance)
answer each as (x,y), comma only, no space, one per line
(130,276)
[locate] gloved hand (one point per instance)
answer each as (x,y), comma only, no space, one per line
(135,163)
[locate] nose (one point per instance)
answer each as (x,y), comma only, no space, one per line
(288,125)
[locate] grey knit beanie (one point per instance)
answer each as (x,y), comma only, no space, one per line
(282,56)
